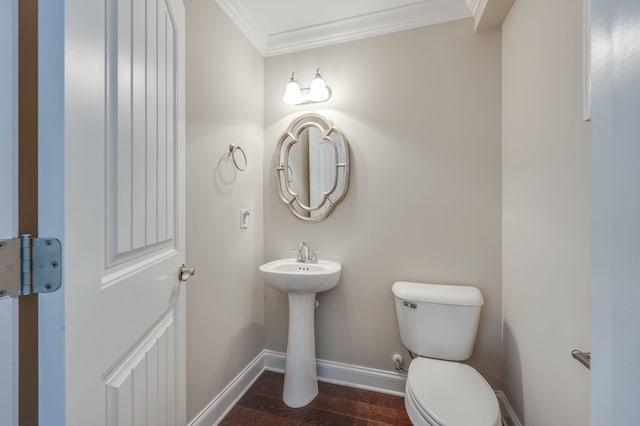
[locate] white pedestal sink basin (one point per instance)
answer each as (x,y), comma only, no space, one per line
(301,281)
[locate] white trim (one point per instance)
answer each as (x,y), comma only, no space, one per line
(586,60)
(52,139)
(246,23)
(473,6)
(511,419)
(122,370)
(130,270)
(353,376)
(215,411)
(274,361)
(10,359)
(354,28)
(9,208)
(490,14)
(365,26)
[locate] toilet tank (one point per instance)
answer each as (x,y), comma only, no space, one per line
(436,320)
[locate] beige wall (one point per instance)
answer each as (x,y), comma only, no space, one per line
(225,298)
(421,110)
(546,213)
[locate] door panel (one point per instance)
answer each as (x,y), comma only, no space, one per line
(130,311)
(141,130)
(142,256)
(139,287)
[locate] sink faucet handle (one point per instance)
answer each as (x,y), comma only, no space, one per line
(313,258)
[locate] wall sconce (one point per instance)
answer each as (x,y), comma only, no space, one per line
(317,92)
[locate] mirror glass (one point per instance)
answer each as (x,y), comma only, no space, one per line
(312,164)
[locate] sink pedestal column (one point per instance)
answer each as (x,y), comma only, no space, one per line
(300,377)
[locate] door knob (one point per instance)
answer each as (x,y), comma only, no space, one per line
(184,273)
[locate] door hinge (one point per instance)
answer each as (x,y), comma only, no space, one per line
(30,265)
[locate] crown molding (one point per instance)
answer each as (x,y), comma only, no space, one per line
(246,23)
(387,21)
(369,25)
(473,6)
(491,14)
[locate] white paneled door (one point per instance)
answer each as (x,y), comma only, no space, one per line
(8,205)
(111,188)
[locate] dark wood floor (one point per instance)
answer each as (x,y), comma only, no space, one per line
(334,405)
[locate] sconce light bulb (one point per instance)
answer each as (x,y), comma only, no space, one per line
(318,91)
(292,94)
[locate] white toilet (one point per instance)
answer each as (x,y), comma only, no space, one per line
(438,324)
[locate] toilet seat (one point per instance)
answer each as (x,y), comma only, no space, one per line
(447,393)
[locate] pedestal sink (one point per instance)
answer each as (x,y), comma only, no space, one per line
(301,281)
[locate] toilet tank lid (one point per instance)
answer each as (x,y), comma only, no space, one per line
(460,295)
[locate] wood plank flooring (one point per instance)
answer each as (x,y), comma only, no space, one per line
(334,405)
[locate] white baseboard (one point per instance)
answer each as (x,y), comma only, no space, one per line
(508,415)
(215,411)
(354,376)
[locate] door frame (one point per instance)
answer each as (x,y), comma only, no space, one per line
(9,206)
(51,138)
(615,206)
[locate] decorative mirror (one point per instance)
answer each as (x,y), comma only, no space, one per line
(312,164)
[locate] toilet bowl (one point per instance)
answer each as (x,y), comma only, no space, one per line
(440,393)
(438,323)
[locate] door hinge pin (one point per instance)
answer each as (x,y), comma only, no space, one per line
(25,249)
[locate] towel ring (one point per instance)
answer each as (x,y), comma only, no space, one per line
(232,152)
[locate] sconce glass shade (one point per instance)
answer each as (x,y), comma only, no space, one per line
(295,95)
(292,94)
(318,91)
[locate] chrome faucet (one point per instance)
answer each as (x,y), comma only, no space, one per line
(303,252)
